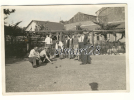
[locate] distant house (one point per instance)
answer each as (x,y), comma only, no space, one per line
(82,20)
(37,26)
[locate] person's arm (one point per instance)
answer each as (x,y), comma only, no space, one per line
(48,59)
(51,41)
(47,56)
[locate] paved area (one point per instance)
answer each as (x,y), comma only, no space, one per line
(107,72)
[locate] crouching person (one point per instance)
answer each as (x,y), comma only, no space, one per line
(34,57)
(44,55)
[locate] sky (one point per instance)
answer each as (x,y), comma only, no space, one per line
(47,13)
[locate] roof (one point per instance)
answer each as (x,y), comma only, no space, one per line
(121,26)
(102,9)
(91,27)
(85,14)
(50,25)
(79,17)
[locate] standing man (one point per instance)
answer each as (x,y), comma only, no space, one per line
(34,57)
(81,44)
(85,56)
(48,43)
(70,46)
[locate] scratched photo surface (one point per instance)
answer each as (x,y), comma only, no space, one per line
(65,48)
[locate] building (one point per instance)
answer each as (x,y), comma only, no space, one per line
(112,16)
(37,26)
(83,20)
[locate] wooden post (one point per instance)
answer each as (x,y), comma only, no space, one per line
(93,38)
(101,45)
(28,40)
(115,41)
(93,41)
(60,36)
(57,35)
(115,36)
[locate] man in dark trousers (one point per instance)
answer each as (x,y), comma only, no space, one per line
(85,56)
(66,46)
(70,47)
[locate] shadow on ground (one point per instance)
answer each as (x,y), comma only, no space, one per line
(94,86)
(14,60)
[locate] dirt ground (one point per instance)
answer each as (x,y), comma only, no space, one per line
(107,72)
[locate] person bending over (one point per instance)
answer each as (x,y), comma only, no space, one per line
(44,55)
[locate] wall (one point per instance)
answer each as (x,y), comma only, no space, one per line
(83,24)
(31,27)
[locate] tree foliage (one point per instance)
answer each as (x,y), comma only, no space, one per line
(8,11)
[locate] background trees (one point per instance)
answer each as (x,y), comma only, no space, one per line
(12,47)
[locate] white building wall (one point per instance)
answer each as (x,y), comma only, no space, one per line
(31,27)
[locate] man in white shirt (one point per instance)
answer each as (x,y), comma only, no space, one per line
(48,42)
(34,57)
(44,55)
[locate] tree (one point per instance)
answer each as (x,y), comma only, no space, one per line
(8,12)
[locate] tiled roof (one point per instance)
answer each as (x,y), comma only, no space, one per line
(48,25)
(121,26)
(81,17)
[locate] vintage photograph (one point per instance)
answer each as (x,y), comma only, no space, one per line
(65,48)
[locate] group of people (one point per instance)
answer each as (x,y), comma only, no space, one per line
(74,46)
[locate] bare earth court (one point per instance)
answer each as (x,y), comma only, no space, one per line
(106,72)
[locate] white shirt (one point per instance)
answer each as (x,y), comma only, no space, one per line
(48,40)
(42,53)
(60,44)
(33,53)
(66,41)
(82,37)
(70,40)
(56,46)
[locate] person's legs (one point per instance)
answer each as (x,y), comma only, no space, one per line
(33,61)
(76,51)
(42,58)
(84,58)
(30,60)
(80,55)
(89,59)
(37,62)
